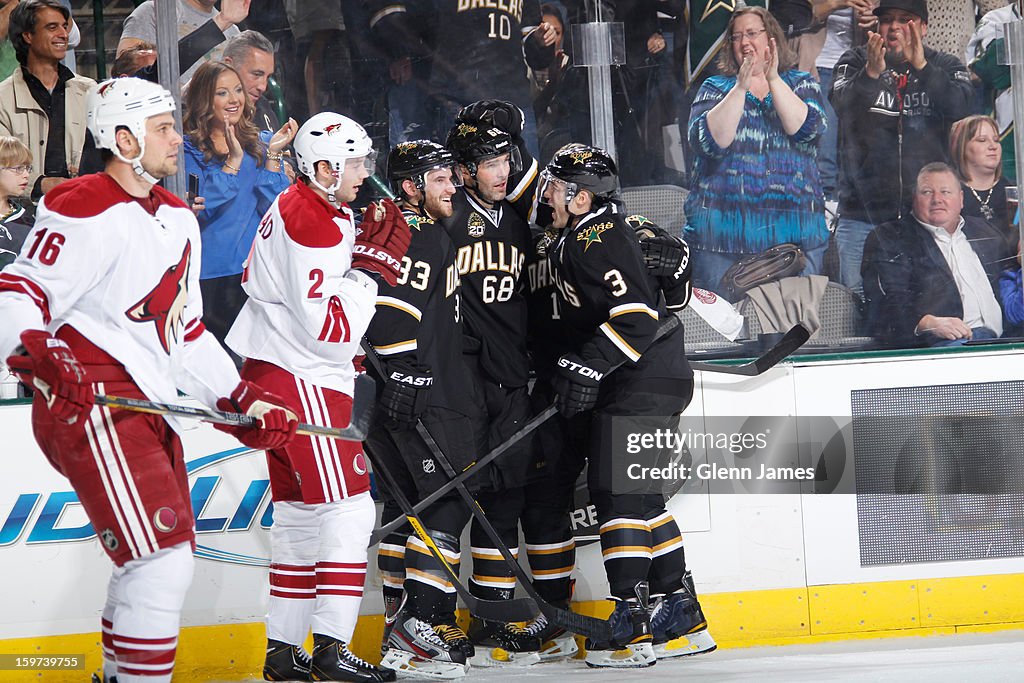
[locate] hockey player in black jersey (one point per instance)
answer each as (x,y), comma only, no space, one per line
(417,332)
(491,241)
(610,309)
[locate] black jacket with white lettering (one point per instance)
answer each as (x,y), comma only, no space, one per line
(890,127)
(609,306)
(491,249)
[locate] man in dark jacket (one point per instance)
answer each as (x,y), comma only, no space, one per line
(930,278)
(896,100)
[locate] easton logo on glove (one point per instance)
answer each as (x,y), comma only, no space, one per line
(377,254)
(580,369)
(411,380)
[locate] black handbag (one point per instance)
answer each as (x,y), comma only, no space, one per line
(775,263)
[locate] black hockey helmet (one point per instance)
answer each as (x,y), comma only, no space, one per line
(582,167)
(472,144)
(414,159)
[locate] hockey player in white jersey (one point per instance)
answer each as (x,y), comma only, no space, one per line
(311,277)
(104,298)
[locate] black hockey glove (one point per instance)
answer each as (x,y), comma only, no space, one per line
(405,392)
(577,383)
(504,115)
(664,254)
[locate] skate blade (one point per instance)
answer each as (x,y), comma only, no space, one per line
(408,664)
(562,647)
(500,657)
(635,656)
(684,646)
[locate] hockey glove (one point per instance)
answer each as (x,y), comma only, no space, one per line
(504,115)
(48,364)
(277,420)
(577,383)
(664,254)
(404,397)
(382,239)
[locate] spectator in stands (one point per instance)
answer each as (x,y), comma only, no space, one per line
(252,56)
(1011,296)
(976,154)
(16,217)
(8,60)
(239,178)
(43,102)
(930,278)
(896,99)
(193,15)
(138,60)
(756,180)
(986,59)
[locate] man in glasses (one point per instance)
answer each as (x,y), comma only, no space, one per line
(896,100)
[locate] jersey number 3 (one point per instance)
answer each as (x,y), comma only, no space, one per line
(47,246)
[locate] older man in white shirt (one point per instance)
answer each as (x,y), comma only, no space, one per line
(930,278)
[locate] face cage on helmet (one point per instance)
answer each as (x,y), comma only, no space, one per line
(546,178)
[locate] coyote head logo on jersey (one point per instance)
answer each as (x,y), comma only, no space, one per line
(165,303)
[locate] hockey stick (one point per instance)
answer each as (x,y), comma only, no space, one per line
(521,609)
(362,409)
(599,629)
(475,467)
(792,341)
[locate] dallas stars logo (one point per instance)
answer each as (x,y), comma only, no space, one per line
(728,5)
(592,235)
(415,221)
(638,221)
(465,129)
(581,156)
(405,147)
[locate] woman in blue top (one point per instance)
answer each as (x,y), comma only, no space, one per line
(755,132)
(239,177)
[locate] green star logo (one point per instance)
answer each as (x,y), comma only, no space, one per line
(592,235)
(416,221)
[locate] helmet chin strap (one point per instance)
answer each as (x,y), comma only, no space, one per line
(136,163)
(331,197)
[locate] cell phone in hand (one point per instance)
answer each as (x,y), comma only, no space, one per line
(193,187)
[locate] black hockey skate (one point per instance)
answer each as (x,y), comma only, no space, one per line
(333,661)
(285,662)
(631,645)
(501,644)
(678,624)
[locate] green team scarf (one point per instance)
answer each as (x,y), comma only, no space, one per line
(707,20)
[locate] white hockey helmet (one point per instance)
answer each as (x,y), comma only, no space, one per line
(125,102)
(335,139)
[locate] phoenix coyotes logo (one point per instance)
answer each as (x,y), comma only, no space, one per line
(165,303)
(102,91)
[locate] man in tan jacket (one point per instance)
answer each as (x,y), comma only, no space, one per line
(43,102)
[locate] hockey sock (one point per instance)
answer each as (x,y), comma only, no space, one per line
(493,578)
(427,586)
(667,559)
(345,528)
(293,548)
(107,625)
(145,625)
(391,555)
(626,548)
(551,549)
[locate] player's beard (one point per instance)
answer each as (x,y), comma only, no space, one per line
(437,208)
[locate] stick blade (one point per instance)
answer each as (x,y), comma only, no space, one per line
(519,609)
(581,624)
(793,340)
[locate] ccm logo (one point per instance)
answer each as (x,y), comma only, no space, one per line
(412,380)
(377,255)
(580,369)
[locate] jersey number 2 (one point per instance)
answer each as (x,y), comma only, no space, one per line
(51,245)
(316,276)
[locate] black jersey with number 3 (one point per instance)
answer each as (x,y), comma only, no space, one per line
(491,248)
(608,303)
